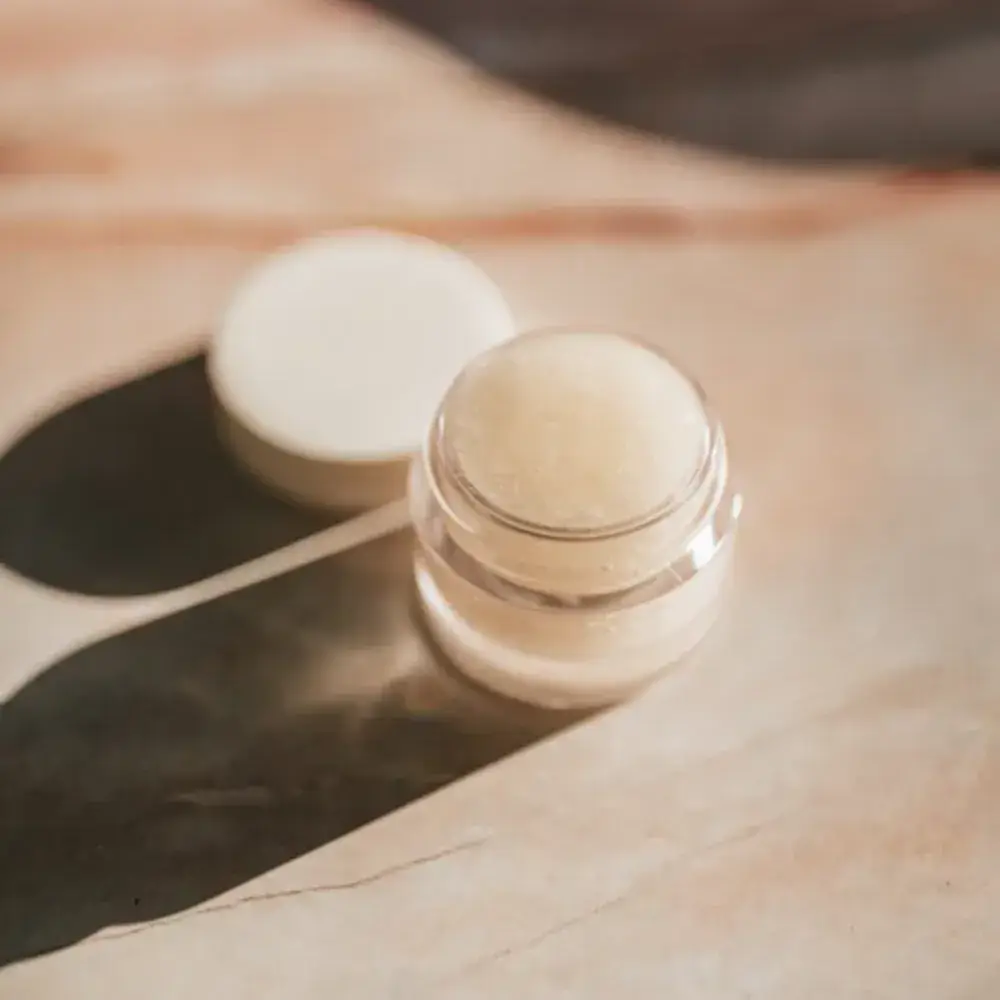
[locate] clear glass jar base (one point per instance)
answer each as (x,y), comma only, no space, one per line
(519,667)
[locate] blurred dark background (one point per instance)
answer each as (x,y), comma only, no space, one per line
(903,80)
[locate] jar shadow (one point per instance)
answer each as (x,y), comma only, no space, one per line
(156,769)
(130,492)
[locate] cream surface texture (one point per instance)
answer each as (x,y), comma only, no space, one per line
(576,431)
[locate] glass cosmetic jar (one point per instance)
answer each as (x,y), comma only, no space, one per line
(574,516)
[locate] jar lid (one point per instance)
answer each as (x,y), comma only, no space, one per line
(333,355)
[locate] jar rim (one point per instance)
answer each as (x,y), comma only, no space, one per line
(445,468)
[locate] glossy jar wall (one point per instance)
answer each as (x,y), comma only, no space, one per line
(572,609)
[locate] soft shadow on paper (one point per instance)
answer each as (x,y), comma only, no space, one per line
(129,492)
(153,771)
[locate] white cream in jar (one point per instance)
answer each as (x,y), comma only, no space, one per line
(574,517)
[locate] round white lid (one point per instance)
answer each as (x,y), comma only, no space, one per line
(339,349)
